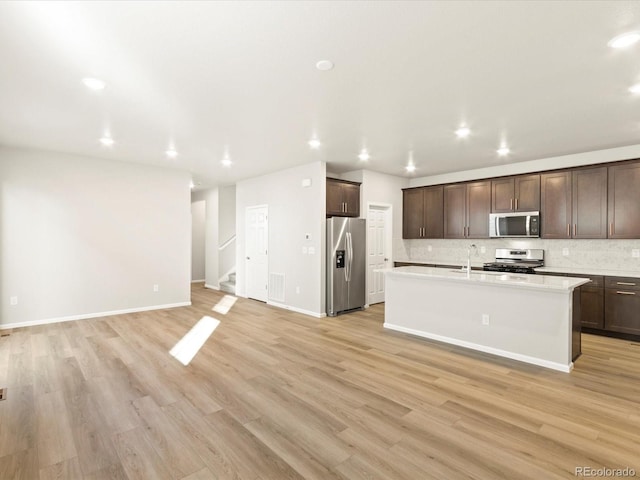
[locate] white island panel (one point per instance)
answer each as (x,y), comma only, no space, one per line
(530,316)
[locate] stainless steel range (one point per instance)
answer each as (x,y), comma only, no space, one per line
(516,260)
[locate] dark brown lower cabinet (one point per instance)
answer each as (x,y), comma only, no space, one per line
(592,303)
(576,327)
(622,305)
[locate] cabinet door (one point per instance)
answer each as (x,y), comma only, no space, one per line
(335,203)
(527,193)
(351,198)
(412,212)
(624,201)
(433,212)
(589,203)
(478,206)
(622,311)
(454,211)
(592,307)
(502,195)
(555,204)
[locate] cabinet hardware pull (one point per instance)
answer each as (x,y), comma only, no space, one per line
(568,229)
(611,229)
(516,204)
(575,229)
(511,204)
(625,293)
(626,283)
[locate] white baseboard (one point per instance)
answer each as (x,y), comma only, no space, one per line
(212,287)
(198,281)
(298,310)
(483,348)
(85,316)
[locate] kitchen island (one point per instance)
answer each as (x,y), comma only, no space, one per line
(530,318)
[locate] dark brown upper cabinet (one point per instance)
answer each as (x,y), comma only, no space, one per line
(422,212)
(573,203)
(343,198)
(466,210)
(516,194)
(624,200)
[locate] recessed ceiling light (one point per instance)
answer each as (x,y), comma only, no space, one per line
(107,141)
(226,161)
(364,155)
(410,168)
(635,89)
(324,65)
(314,143)
(503,150)
(94,84)
(625,40)
(463,132)
(171,153)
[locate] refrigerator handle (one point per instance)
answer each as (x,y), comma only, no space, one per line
(350,255)
(346,260)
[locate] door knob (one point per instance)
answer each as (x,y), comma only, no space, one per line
(248,258)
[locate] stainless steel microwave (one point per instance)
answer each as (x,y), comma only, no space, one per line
(514,224)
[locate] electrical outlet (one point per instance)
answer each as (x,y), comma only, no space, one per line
(312,250)
(304,250)
(485,319)
(483,249)
(565,252)
(155,288)
(635,253)
(429,248)
(13,300)
(297,290)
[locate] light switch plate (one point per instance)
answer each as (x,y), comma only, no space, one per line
(312,250)
(429,248)
(483,249)
(13,301)
(565,252)
(635,253)
(304,250)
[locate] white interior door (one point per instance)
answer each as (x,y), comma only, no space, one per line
(378,250)
(256,252)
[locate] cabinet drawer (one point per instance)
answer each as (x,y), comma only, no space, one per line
(623,283)
(622,311)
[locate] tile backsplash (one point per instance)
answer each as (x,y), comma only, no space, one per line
(598,254)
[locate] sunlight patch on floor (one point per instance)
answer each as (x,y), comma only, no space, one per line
(189,345)
(225,304)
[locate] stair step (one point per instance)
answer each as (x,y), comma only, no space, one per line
(229,287)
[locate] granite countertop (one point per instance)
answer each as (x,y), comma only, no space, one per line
(536,282)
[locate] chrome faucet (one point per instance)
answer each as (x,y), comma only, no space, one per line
(475,251)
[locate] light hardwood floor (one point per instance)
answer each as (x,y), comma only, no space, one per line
(278,395)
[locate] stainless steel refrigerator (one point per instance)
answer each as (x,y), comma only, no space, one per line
(346,264)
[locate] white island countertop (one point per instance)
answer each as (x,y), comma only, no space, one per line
(529,318)
(512,280)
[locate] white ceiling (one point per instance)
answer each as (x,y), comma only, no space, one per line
(241,77)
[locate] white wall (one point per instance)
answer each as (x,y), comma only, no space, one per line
(198,230)
(552,163)
(294,211)
(81,236)
(227,225)
(212,238)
